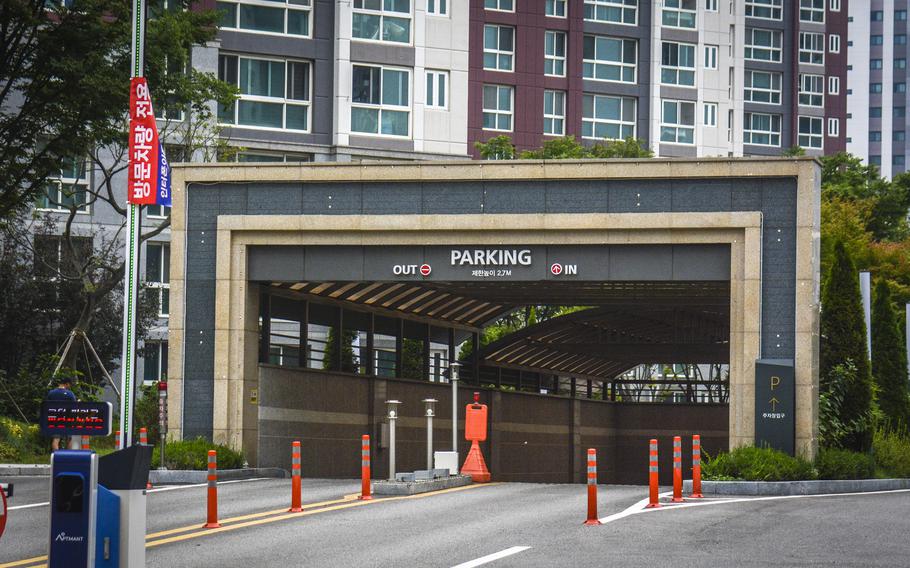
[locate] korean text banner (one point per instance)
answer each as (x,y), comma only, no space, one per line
(144,147)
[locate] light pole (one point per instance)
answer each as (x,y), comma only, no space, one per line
(453,378)
(430,412)
(392,406)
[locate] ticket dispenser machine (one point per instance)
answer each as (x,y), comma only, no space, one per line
(73,509)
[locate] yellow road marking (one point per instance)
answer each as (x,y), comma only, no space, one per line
(346,502)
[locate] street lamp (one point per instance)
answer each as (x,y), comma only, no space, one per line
(430,412)
(392,406)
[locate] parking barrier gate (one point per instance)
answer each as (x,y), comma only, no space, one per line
(592,488)
(365,468)
(652,475)
(677,469)
(212,512)
(696,467)
(295,478)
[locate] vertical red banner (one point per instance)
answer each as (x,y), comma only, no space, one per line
(143,149)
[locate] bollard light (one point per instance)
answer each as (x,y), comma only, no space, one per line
(430,408)
(392,406)
(453,378)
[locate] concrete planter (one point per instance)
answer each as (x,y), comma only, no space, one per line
(415,487)
(185,476)
(816,487)
(11,469)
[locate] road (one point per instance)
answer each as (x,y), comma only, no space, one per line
(503,525)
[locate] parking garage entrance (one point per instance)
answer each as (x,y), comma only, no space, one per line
(628,306)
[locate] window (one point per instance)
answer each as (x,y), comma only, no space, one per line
(900,15)
(616,11)
(833,85)
(900,87)
(764,9)
(763,45)
(677,64)
(899,136)
(877,16)
(899,39)
(438,7)
(437,89)
(900,63)
(875,64)
(834,43)
(556,8)
(158,274)
(610,59)
(835,5)
(899,111)
(710,57)
(53,257)
(382,20)
(761,129)
(812,10)
(878,39)
(710,114)
(554,54)
(498,47)
(810,132)
(679,13)
(380,100)
(290,17)
(875,88)
(875,136)
(811,90)
(710,5)
(607,117)
(554,113)
(267,157)
(497,107)
(875,160)
(68,189)
(833,127)
(154,361)
(273,93)
(875,112)
(898,160)
(501,5)
(762,87)
(812,48)
(677,122)
(157,211)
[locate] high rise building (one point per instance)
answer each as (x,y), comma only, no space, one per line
(877,81)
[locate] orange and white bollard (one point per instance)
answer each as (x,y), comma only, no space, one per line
(696,467)
(677,469)
(592,488)
(212,516)
(117,440)
(143,437)
(652,476)
(85,443)
(365,468)
(295,478)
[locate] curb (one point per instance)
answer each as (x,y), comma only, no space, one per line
(12,469)
(815,487)
(388,488)
(187,476)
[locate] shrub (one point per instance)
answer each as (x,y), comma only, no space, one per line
(833,463)
(21,442)
(756,464)
(892,452)
(193,454)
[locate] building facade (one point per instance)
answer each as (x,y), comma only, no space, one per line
(877,79)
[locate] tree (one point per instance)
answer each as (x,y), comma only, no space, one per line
(843,338)
(349,363)
(889,359)
(564,148)
(793,152)
(496,148)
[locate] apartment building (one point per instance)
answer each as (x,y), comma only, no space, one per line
(877,83)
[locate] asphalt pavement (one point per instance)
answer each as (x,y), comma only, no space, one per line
(496,525)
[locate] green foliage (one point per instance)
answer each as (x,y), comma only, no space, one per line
(412,365)
(194,454)
(793,152)
(833,463)
(889,358)
(756,464)
(330,357)
(834,428)
(145,413)
(21,442)
(892,452)
(843,338)
(496,148)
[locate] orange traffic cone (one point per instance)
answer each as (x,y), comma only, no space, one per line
(475,466)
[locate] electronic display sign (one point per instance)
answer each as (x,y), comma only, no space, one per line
(66,418)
